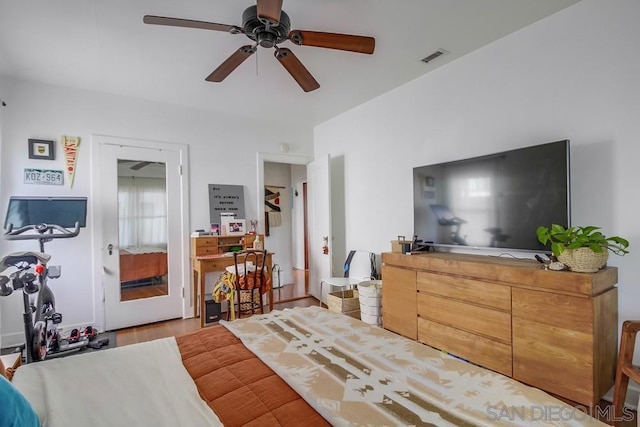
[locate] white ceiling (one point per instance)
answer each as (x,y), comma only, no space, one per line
(103,45)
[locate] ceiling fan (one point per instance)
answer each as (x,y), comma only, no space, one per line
(268,26)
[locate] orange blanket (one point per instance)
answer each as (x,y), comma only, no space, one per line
(239,388)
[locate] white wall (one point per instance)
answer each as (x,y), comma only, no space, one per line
(572,75)
(279,240)
(47,112)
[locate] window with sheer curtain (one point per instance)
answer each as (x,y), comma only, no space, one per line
(142,212)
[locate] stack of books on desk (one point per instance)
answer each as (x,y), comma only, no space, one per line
(199,233)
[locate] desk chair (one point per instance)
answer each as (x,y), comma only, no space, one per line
(250,281)
(347,282)
(625,369)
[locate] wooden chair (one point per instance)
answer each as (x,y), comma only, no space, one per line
(9,363)
(625,369)
(250,281)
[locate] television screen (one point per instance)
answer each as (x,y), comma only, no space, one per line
(493,201)
(62,211)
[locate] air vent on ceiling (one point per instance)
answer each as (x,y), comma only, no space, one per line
(434,55)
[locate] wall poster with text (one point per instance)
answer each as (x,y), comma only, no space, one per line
(225,199)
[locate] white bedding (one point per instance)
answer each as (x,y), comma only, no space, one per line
(145,385)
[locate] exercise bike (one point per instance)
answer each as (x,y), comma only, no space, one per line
(31,275)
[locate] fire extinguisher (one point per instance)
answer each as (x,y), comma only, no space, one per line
(325,246)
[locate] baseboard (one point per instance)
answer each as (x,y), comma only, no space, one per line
(631,401)
(12,340)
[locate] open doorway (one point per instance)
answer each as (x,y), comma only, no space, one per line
(284,228)
(288,241)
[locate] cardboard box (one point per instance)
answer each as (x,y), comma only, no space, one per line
(401,246)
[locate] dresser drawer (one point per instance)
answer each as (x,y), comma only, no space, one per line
(204,246)
(557,359)
(479,320)
(399,301)
(206,250)
(565,311)
(473,291)
(474,348)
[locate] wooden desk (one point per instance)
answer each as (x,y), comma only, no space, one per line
(209,263)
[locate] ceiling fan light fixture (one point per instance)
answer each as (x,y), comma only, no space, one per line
(254,27)
(266,39)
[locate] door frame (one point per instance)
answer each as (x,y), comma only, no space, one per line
(261,158)
(97,232)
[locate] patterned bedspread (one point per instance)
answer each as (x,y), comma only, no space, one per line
(356,374)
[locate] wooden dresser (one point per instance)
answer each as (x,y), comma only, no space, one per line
(556,331)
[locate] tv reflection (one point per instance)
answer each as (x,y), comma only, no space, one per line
(447,218)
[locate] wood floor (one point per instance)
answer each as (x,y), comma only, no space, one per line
(147,291)
(297,289)
(288,296)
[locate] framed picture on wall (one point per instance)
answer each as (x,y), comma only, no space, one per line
(41,149)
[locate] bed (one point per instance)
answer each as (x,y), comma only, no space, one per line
(306,366)
(142,263)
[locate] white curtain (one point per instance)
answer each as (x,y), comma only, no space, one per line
(142,212)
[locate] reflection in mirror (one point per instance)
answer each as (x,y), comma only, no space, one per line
(142,223)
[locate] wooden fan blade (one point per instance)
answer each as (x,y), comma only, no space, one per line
(359,44)
(269,10)
(296,69)
(188,23)
(140,165)
(231,63)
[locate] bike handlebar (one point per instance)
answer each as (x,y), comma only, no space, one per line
(30,257)
(45,231)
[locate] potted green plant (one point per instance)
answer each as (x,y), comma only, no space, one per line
(582,249)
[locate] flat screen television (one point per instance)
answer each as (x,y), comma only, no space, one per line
(33,210)
(493,201)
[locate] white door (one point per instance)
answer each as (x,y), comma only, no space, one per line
(142,244)
(319,187)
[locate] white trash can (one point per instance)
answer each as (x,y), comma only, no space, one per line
(370,295)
